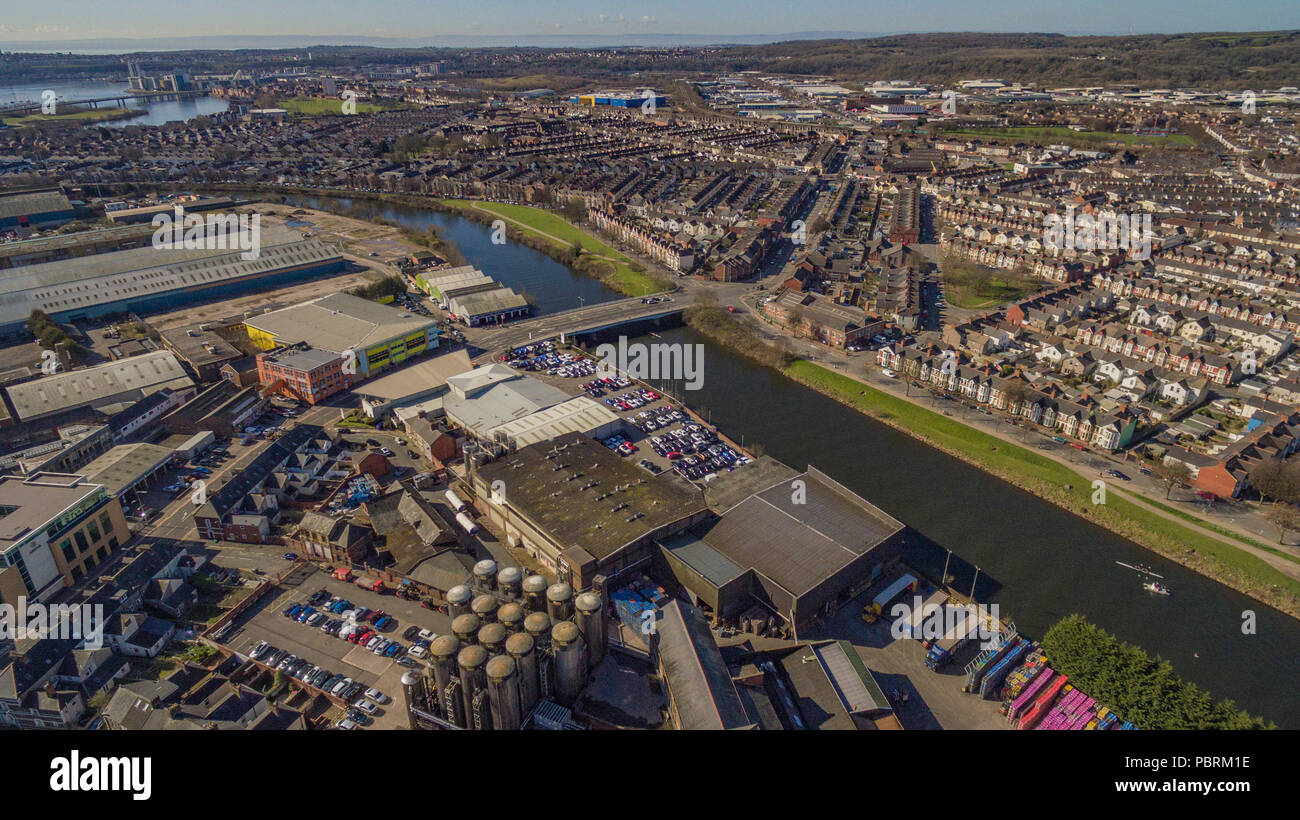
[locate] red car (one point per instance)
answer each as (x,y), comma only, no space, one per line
(353,637)
(374,615)
(364,637)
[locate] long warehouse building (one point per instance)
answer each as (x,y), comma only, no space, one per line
(149,278)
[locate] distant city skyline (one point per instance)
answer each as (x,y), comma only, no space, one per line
(585,22)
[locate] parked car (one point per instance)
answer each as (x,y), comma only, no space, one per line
(411,632)
(367,707)
(345,724)
(393,649)
(377,696)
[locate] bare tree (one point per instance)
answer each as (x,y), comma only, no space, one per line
(1286,517)
(1173,474)
(1276,480)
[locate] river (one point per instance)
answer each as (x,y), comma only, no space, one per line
(1037,561)
(155,111)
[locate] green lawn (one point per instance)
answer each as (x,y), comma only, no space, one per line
(316,106)
(1070,136)
(1059,484)
(87,115)
(995,292)
(626,279)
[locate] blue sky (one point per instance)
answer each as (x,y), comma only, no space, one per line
(47,20)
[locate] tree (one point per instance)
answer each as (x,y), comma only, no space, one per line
(1015,392)
(1276,480)
(1286,517)
(1173,474)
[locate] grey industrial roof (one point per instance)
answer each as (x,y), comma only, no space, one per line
(305,360)
(577,415)
(339,322)
(33,203)
(93,385)
(799,543)
(122,467)
(567,508)
(729,489)
(703,692)
(489,301)
(87,281)
(710,564)
(854,685)
(418,378)
(501,401)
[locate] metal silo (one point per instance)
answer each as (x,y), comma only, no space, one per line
(534,587)
(458,598)
(570,655)
(591,623)
(473,680)
(446,678)
(511,616)
(485,575)
(503,693)
(510,583)
(485,607)
(413,688)
(492,637)
(559,602)
(466,627)
(522,648)
(538,624)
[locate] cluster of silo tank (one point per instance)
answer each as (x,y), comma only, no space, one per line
(514,640)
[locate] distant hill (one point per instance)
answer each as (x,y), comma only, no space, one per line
(1227,60)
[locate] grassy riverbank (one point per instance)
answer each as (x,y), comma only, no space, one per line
(567,244)
(1055,482)
(1029,470)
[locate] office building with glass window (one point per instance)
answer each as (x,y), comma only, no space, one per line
(55,528)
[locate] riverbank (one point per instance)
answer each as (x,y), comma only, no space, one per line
(1131,518)
(535,228)
(545,231)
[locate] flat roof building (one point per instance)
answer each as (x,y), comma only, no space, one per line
(378,335)
(127,466)
(55,527)
(580,510)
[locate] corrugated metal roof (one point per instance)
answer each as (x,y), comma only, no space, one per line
(710,564)
(577,415)
(87,281)
(853,683)
(701,686)
(92,385)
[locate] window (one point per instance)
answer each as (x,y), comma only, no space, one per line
(82,544)
(68,554)
(93,530)
(106,522)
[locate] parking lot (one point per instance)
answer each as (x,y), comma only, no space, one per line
(658,434)
(265,621)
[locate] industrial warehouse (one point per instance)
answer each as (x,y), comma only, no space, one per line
(377,336)
(147,278)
